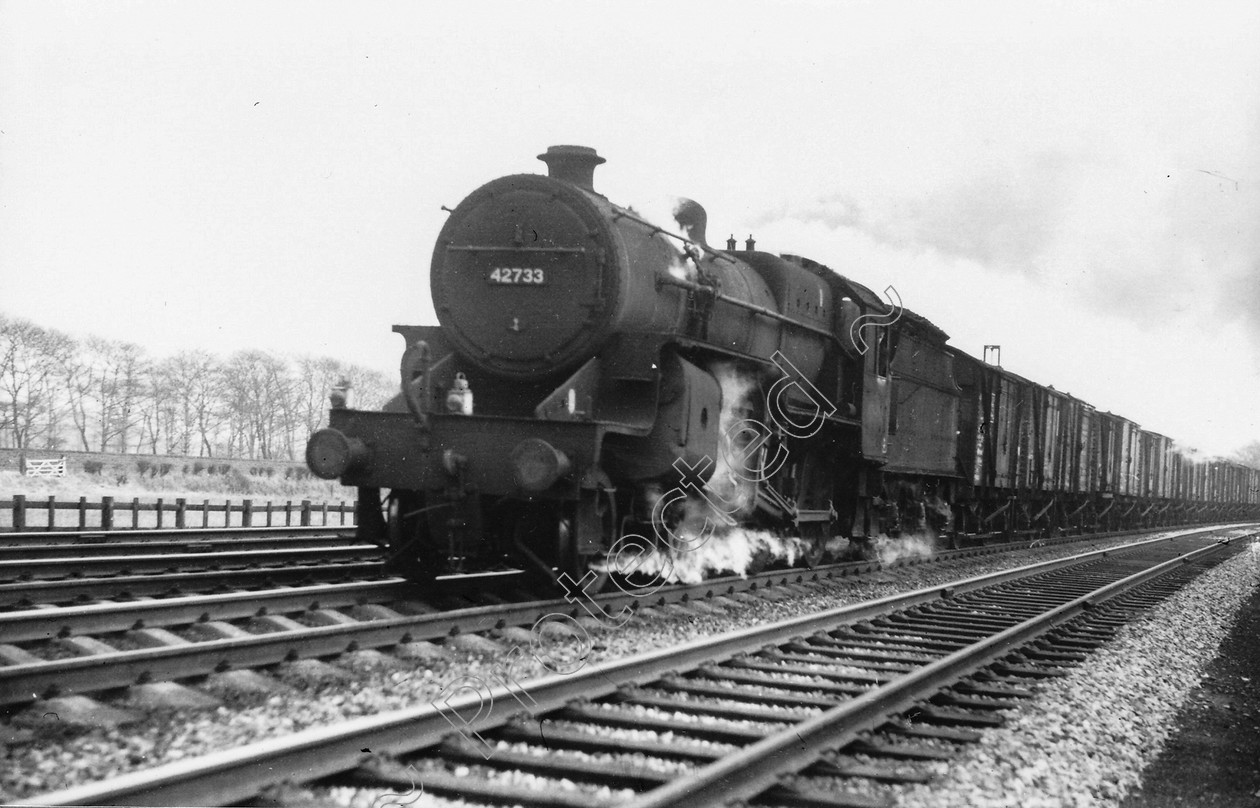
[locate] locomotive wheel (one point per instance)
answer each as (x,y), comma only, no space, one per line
(817,552)
(411,554)
(538,536)
(594,517)
(548,539)
(817,537)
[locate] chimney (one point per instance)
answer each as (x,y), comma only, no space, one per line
(750,244)
(731,243)
(692,219)
(572,164)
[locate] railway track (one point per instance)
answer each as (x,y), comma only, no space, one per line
(96,644)
(57,651)
(61,568)
(181,536)
(20,595)
(61,556)
(832,702)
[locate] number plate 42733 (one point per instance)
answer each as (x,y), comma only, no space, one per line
(514,276)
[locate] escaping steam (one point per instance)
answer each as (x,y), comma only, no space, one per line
(661,213)
(699,535)
(728,548)
(682,268)
(737,388)
(907,545)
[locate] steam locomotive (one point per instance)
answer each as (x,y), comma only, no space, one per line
(596,377)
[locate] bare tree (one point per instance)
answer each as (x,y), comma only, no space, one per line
(314,378)
(372,388)
(117,382)
(158,408)
(186,386)
(31,400)
(79,375)
(257,394)
(195,381)
(255,404)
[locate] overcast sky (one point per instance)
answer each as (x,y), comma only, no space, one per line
(1078,182)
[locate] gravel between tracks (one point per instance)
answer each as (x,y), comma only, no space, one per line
(1085,739)
(369,683)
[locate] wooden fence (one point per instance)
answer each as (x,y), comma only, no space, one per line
(109,514)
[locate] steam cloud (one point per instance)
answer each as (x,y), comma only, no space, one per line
(1135,240)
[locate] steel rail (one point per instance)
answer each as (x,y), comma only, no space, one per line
(162,562)
(115,617)
(23,682)
(15,586)
(757,767)
(239,774)
(98,536)
(31,552)
(62,590)
(42,623)
(102,618)
(122,668)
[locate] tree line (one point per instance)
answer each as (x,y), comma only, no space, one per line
(99,395)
